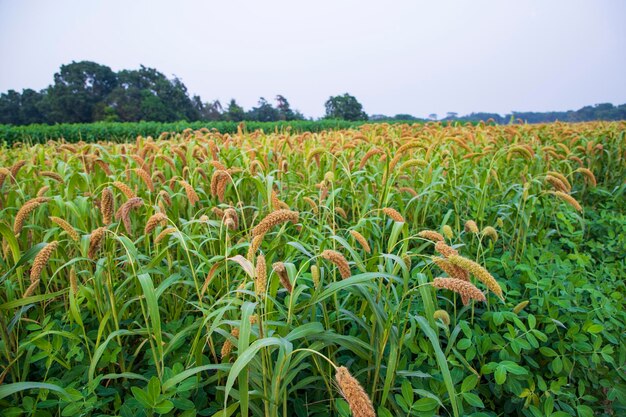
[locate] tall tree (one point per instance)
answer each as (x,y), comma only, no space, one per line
(234,112)
(211,111)
(10,107)
(147,94)
(344,107)
(264,112)
(77,90)
(284,109)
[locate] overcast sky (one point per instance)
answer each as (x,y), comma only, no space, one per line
(416,57)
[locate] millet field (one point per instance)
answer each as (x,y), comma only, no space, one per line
(389,270)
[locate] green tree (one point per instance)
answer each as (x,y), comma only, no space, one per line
(264,112)
(147,94)
(284,109)
(234,112)
(211,111)
(344,107)
(10,103)
(21,109)
(77,90)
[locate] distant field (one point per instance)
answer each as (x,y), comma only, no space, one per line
(421,270)
(123,132)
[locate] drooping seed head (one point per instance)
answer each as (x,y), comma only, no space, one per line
(123,212)
(431,235)
(466,289)
(95,241)
(339,260)
(72,233)
(125,189)
(354,394)
(452,270)
(53,175)
(154,221)
(191,194)
(281,271)
(445,250)
(22,215)
(164,233)
(479,272)
(275,218)
(568,199)
(362,241)
(41,260)
(393,214)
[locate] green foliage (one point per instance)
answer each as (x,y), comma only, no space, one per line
(142,328)
(345,107)
(123,132)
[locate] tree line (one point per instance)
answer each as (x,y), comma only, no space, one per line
(85,92)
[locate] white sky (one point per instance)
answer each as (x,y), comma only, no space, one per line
(412,57)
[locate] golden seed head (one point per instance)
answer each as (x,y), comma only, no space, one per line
(445,250)
(231,214)
(260,280)
(447,231)
(275,218)
(154,221)
(31,289)
(393,214)
(431,235)
(408,190)
(277,203)
(556,183)
(107,206)
(356,397)
(466,289)
(590,178)
(41,261)
(164,233)
(362,241)
(73,234)
(123,213)
(125,189)
(53,175)
(452,270)
(368,155)
(562,178)
(145,177)
(23,213)
(95,241)
(340,211)
(190,192)
(339,260)
(479,272)
(568,199)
